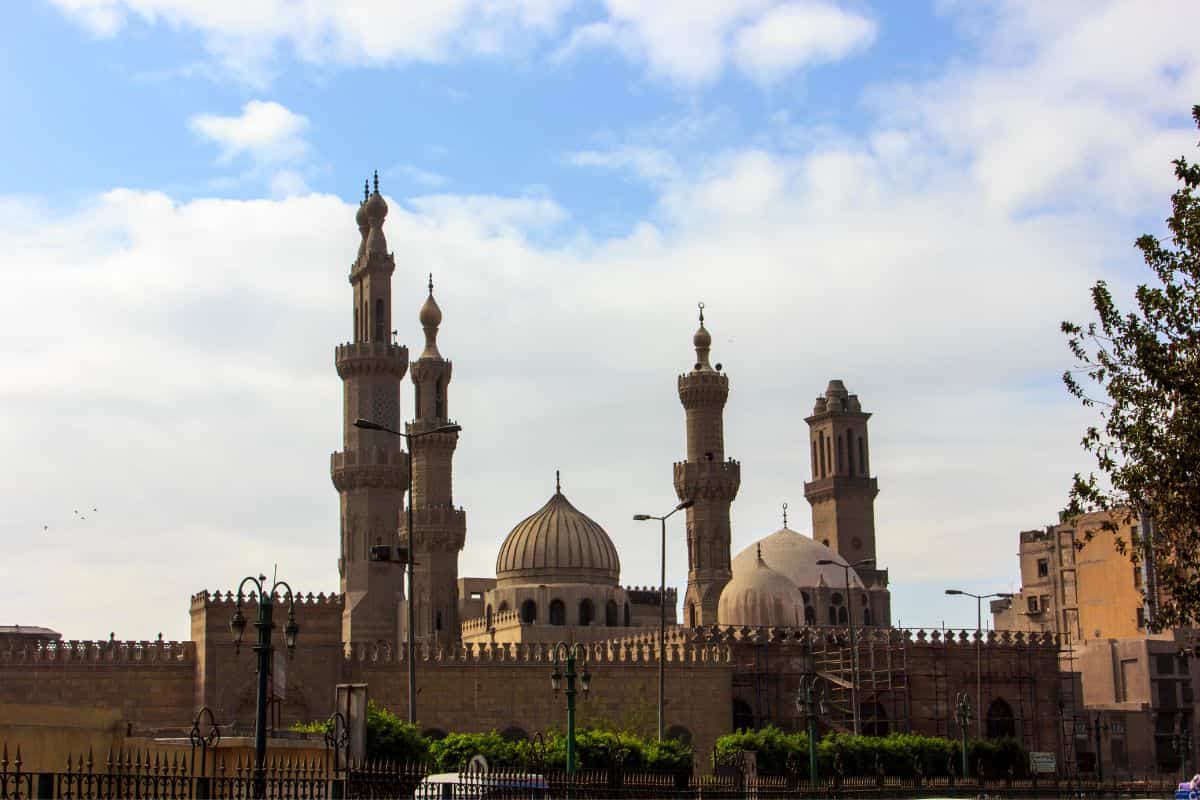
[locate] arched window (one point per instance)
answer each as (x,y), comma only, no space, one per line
(503,606)
(357,329)
(862,457)
(439,399)
(743,716)
(814,444)
(1000,721)
(841,452)
(628,620)
(488,615)
(366,320)
(558,612)
(692,614)
(610,613)
(810,615)
(529,611)
(821,448)
(804,597)
(587,611)
(849,453)
(832,615)
(843,616)
(380,322)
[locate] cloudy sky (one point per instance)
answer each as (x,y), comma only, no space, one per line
(909,197)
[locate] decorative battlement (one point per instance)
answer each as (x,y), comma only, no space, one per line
(46,652)
(525,653)
(936,637)
(649,595)
(425,368)
(500,619)
(708,479)
(371,358)
(703,388)
(432,524)
(827,487)
(369,466)
(207,599)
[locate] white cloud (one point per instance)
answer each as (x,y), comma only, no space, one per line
(648,163)
(265,130)
(246,37)
(692,42)
(795,35)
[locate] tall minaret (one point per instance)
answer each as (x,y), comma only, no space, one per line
(369,471)
(707,479)
(440,528)
(842,491)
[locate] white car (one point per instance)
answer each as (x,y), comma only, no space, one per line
(479,786)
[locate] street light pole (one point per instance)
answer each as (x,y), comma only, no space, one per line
(810,705)
(962,713)
(979,598)
(569,653)
(846,567)
(662,608)
(367,424)
(263,650)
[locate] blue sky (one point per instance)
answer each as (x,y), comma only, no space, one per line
(908,197)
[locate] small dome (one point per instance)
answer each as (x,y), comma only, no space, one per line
(431,315)
(558,544)
(795,556)
(376,207)
(759,596)
(702,338)
(360,218)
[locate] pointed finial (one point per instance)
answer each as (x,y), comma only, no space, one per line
(376,181)
(366,190)
(785,515)
(557,482)
(701,307)
(431,283)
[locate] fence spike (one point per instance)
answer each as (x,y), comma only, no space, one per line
(4,759)
(89,761)
(17,763)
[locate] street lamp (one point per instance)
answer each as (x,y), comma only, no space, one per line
(237,625)
(846,567)
(810,702)
(569,653)
(662,606)
(1098,727)
(366,424)
(979,598)
(962,714)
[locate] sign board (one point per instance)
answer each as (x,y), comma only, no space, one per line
(1042,763)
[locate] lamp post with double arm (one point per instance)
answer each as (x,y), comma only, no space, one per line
(367,424)
(846,567)
(662,606)
(263,649)
(979,598)
(570,653)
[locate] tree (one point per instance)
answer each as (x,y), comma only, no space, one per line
(1147,444)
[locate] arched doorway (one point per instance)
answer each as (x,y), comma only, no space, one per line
(558,612)
(743,716)
(529,612)
(1000,720)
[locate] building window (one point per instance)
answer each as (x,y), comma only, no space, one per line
(1043,567)
(849,453)
(610,613)
(841,452)
(587,612)
(1164,664)
(476,595)
(862,458)
(439,399)
(628,621)
(1166,694)
(488,615)
(380,322)
(814,444)
(504,606)
(558,612)
(1032,602)
(821,447)
(357,330)
(866,616)
(1141,618)
(437,625)
(810,615)
(1000,721)
(528,611)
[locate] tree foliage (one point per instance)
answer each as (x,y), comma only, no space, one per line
(1146,446)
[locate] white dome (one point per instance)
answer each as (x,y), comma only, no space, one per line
(759,596)
(795,556)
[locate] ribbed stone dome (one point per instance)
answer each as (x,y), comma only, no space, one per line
(759,596)
(558,544)
(795,556)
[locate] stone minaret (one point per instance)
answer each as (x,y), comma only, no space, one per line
(707,479)
(440,528)
(369,471)
(842,491)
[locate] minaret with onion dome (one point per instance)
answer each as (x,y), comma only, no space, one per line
(369,470)
(708,479)
(439,528)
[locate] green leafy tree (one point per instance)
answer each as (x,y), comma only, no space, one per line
(1147,444)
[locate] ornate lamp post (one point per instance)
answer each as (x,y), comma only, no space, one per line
(979,598)
(662,607)
(366,424)
(962,714)
(263,649)
(846,567)
(570,653)
(811,702)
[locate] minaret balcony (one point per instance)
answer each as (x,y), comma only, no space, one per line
(371,358)
(701,480)
(440,527)
(831,485)
(369,468)
(703,388)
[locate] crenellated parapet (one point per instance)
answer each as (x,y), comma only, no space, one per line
(703,480)
(649,595)
(436,528)
(429,369)
(434,441)
(905,637)
(354,359)
(622,653)
(206,599)
(51,652)
(703,388)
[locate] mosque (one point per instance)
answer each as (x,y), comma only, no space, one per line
(753,625)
